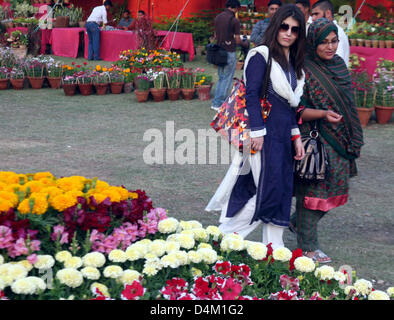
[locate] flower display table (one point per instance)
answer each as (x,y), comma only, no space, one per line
(372,55)
(65,41)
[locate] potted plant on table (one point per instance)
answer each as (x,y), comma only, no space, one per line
(4,77)
(188,79)
(173,77)
(143,85)
(17,77)
(383,80)
(203,85)
(158,79)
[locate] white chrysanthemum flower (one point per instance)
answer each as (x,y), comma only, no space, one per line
(11,272)
(113,272)
(200,234)
(172,246)
(233,242)
(339,276)
(194,256)
(70,277)
(378,295)
(170,260)
(102,287)
(133,253)
(44,262)
(168,225)
(348,289)
(390,291)
(304,264)
(325,273)
(158,247)
(38,282)
(182,256)
(209,256)
(186,241)
(91,273)
(23,286)
(204,245)
(26,264)
(214,232)
(62,256)
(282,254)
(184,225)
(150,271)
(93,259)
(363,286)
(129,276)
(73,262)
(117,256)
(1,259)
(256,250)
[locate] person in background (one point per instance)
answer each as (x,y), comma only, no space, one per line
(126,20)
(305,7)
(97,17)
(259,28)
(227,34)
(327,100)
(325,9)
(140,17)
(7,9)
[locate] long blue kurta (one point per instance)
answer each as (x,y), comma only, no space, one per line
(275,189)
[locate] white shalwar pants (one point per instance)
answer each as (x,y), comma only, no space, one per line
(240,223)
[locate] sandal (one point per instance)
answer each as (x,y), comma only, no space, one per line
(318,256)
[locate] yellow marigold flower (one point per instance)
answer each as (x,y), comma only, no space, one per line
(40,205)
(101,185)
(5,205)
(9,177)
(10,196)
(75,193)
(2,185)
(63,202)
(98,67)
(113,195)
(33,186)
(99,197)
(70,183)
(52,192)
(42,175)
(13,187)
(133,195)
(105,69)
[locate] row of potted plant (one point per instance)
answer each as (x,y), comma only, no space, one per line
(373,93)
(173,82)
(373,35)
(80,238)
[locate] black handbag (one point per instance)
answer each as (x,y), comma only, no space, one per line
(216,55)
(314,167)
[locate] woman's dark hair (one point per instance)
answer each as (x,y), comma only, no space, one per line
(297,50)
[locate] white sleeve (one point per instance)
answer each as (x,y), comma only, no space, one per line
(343,47)
(104,15)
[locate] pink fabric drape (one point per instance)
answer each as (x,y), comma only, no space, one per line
(372,55)
(325,204)
(65,41)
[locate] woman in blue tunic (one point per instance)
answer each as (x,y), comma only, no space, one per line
(263,194)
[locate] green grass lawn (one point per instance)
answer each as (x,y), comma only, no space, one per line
(102,136)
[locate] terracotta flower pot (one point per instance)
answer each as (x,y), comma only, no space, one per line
(36,83)
(353,42)
(368,43)
(204,92)
(188,94)
(55,83)
(383,114)
(158,94)
(382,44)
(142,95)
(101,88)
(69,88)
(3,84)
(375,43)
(173,93)
(128,87)
(85,88)
(388,43)
(364,114)
(360,42)
(116,87)
(17,84)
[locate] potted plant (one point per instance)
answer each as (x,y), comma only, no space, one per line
(18,43)
(4,77)
(116,79)
(159,90)
(85,81)
(100,82)
(34,69)
(173,77)
(143,85)
(129,76)
(384,101)
(54,73)
(389,37)
(204,85)
(17,77)
(69,85)
(188,79)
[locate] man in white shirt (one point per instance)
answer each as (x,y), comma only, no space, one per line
(97,17)
(325,9)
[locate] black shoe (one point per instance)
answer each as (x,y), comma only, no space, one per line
(99,59)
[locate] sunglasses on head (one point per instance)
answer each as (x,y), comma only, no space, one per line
(285,27)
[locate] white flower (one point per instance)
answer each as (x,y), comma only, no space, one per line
(304,264)
(150,271)
(137,250)
(214,232)
(348,289)
(378,295)
(390,291)
(208,255)
(158,247)
(168,225)
(101,287)
(339,276)
(200,234)
(282,254)
(93,259)
(172,246)
(170,260)
(23,286)
(204,245)
(363,286)
(11,272)
(182,257)
(325,273)
(70,277)
(256,250)
(26,264)
(117,256)
(44,262)
(129,276)
(233,242)
(91,273)
(73,262)
(186,241)
(1,259)
(113,271)
(38,282)
(62,256)
(194,256)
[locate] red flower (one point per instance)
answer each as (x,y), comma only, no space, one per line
(223,267)
(175,289)
(296,254)
(85,63)
(133,291)
(231,289)
(73,63)
(269,253)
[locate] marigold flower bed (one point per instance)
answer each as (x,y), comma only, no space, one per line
(80,238)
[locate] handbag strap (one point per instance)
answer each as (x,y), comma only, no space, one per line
(264,88)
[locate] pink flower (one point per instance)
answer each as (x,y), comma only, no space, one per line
(32,258)
(59,233)
(133,291)
(18,249)
(231,289)
(6,238)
